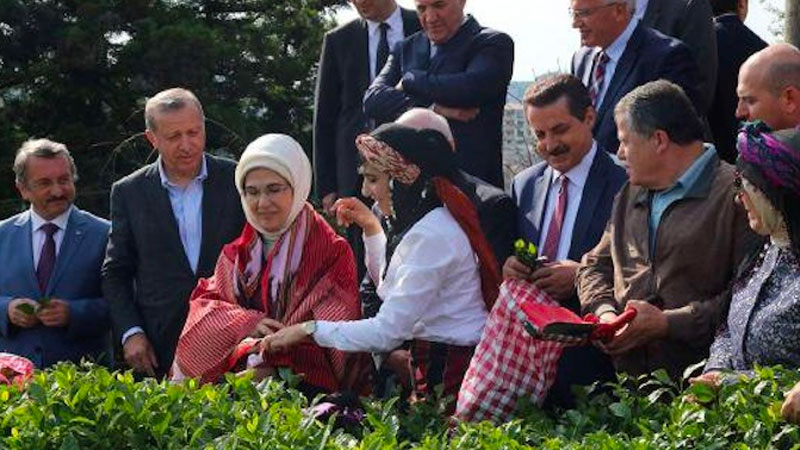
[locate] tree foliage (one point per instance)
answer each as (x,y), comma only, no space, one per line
(79,71)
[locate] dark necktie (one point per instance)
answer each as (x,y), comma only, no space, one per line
(383,48)
(597,77)
(47,259)
(554,230)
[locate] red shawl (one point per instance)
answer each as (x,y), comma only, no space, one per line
(323,288)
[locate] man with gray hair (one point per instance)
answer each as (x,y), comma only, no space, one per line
(769,87)
(620,53)
(674,240)
(169,221)
(51,305)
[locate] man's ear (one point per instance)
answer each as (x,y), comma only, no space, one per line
(660,140)
(589,116)
(151,137)
(790,99)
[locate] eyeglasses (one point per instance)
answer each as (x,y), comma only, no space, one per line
(252,193)
(586,12)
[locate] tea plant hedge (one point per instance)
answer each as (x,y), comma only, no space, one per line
(88,407)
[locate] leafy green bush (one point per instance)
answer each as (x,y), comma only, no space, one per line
(70,407)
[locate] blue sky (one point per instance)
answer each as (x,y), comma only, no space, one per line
(542,33)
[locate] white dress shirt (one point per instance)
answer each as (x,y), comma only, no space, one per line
(394,35)
(614,53)
(431,292)
(577,180)
(641,8)
(38,235)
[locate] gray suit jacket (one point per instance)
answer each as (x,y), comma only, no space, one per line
(692,22)
(146,276)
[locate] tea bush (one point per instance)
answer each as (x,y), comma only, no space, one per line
(88,407)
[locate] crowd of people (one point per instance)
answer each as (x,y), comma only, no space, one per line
(649,197)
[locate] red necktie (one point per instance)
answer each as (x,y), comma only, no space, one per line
(598,76)
(47,259)
(554,230)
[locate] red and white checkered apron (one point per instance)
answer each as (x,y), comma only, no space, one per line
(508,363)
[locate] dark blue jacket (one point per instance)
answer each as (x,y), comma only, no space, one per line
(472,69)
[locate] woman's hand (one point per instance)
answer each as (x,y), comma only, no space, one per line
(791,406)
(283,339)
(265,327)
(711,379)
(351,210)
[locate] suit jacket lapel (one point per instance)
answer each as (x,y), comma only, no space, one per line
(361,47)
(541,187)
(73,236)
(652,12)
(158,197)
(25,237)
(596,183)
(624,68)
(213,211)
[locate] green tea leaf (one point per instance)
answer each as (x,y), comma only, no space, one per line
(26,308)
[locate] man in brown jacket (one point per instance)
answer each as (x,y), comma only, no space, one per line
(674,240)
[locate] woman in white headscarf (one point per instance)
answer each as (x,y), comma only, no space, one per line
(287,267)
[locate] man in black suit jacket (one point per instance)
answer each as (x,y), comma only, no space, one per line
(348,63)
(690,21)
(169,221)
(459,68)
(637,55)
(735,43)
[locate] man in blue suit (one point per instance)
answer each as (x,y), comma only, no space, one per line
(459,69)
(51,305)
(619,54)
(564,203)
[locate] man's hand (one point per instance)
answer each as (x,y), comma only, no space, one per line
(328,200)
(139,354)
(557,278)
(399,361)
(265,327)
(460,114)
(20,318)
(351,210)
(791,405)
(514,268)
(55,314)
(650,324)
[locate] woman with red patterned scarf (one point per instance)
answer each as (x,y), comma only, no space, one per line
(287,267)
(437,276)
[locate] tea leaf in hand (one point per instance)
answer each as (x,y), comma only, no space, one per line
(26,308)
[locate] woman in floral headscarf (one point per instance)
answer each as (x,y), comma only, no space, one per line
(436,274)
(287,267)
(762,326)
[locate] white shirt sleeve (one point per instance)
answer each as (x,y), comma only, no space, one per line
(375,256)
(131,331)
(412,281)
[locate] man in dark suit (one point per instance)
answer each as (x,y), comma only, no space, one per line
(619,54)
(52,251)
(352,55)
(691,22)
(564,203)
(462,71)
(169,221)
(735,43)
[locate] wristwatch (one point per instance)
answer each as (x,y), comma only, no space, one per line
(309,327)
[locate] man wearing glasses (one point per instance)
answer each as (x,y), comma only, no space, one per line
(619,54)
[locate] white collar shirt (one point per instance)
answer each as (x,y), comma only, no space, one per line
(577,180)
(614,53)
(394,35)
(641,8)
(38,235)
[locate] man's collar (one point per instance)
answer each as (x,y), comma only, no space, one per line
(162,174)
(617,48)
(580,172)
(61,220)
(395,21)
(697,178)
